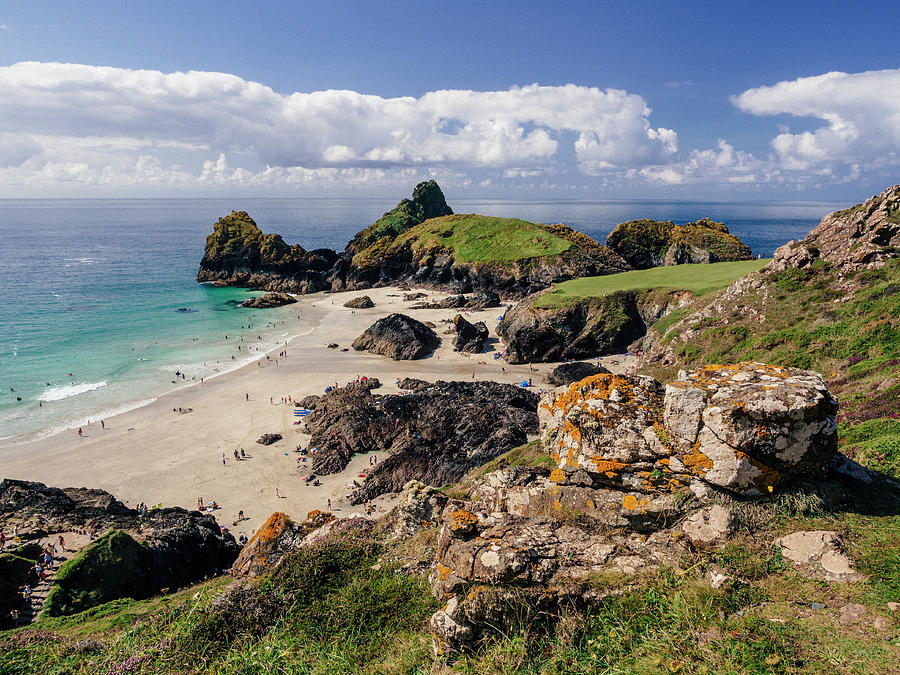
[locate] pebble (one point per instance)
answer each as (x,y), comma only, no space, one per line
(817,605)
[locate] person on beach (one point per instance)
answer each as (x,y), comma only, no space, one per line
(223,459)
(103,425)
(277,495)
(62,542)
(2,540)
(80,433)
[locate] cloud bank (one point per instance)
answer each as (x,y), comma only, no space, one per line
(74,125)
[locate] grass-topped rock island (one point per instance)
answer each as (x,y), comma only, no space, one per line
(726,498)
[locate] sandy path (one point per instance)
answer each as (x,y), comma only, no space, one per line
(158,456)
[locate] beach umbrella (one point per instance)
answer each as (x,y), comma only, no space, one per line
(524,383)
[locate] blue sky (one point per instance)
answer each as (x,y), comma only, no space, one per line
(742,100)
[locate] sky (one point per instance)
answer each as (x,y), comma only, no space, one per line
(585,100)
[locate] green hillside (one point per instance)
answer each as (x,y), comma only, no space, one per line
(700,279)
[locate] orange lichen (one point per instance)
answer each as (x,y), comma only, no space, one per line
(607,465)
(630,502)
(557,476)
(696,461)
(462,519)
(443,571)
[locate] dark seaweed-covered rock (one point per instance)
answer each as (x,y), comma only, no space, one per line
(399,337)
(469,337)
(269,300)
(177,547)
(268,439)
(433,435)
(362,302)
(483,299)
(567,373)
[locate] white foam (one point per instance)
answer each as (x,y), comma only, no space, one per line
(69,390)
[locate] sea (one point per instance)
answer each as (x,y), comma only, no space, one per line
(100,311)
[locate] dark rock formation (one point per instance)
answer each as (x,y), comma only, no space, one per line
(483,299)
(469,337)
(361,302)
(434,435)
(269,300)
(268,439)
(652,243)
(412,383)
(239,254)
(178,547)
(399,337)
(864,236)
(582,329)
(567,373)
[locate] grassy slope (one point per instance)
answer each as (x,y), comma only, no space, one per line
(700,279)
(473,238)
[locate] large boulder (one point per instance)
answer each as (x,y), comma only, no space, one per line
(278,537)
(747,428)
(567,373)
(862,237)
(269,300)
(469,337)
(360,302)
(399,337)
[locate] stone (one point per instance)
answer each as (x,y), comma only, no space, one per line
(268,439)
(269,300)
(277,537)
(894,606)
(361,302)
(709,525)
(420,507)
(483,299)
(573,371)
(818,554)
(716,577)
(750,427)
(398,337)
(852,613)
(469,337)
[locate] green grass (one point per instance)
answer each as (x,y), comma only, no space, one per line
(474,238)
(700,279)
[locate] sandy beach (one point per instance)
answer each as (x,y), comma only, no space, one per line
(157,456)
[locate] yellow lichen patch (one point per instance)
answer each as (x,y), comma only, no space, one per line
(555,456)
(443,571)
(630,502)
(272,527)
(590,503)
(557,476)
(767,478)
(557,505)
(462,519)
(696,461)
(607,465)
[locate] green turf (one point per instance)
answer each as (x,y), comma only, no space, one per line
(700,279)
(474,238)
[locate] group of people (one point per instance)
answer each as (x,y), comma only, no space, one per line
(211,506)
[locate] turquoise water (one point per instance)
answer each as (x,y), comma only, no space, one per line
(99,306)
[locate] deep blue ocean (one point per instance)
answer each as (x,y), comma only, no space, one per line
(99,306)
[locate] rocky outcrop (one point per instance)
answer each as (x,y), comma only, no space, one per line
(864,236)
(278,537)
(567,373)
(398,337)
(434,434)
(584,328)
(361,302)
(177,547)
(618,499)
(269,300)
(469,337)
(652,243)
(268,439)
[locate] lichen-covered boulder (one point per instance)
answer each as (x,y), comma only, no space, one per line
(749,427)
(278,536)
(606,425)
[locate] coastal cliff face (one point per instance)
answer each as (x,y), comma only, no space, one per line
(420,242)
(864,236)
(652,243)
(584,328)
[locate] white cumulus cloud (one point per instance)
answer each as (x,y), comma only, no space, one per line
(93,121)
(860,111)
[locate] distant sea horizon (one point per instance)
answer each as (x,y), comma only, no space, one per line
(99,305)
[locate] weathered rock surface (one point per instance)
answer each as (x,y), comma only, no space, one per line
(567,373)
(652,243)
(818,554)
(398,337)
(278,536)
(864,236)
(268,439)
(709,525)
(182,546)
(361,302)
(582,329)
(269,300)
(420,507)
(746,428)
(433,435)
(469,337)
